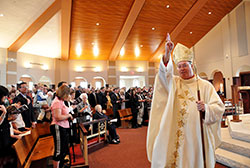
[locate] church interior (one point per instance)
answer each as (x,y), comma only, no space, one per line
(100,46)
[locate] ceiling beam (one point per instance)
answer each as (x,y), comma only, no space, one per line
(65,28)
(180,26)
(36,25)
(133,14)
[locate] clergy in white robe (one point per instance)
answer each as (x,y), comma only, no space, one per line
(174,132)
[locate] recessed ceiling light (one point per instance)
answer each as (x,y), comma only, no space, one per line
(93,43)
(137,51)
(122,52)
(167,6)
(209,13)
(153,28)
(78,49)
(97,24)
(96,50)
(141,45)
(191,32)
(1,15)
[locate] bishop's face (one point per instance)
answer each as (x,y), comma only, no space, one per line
(185,69)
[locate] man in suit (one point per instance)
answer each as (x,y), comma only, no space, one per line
(22,98)
(102,99)
(93,99)
(115,100)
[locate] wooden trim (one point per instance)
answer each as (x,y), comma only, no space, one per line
(245,72)
(133,14)
(35,26)
(65,28)
(181,25)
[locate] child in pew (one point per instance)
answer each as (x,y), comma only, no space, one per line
(111,127)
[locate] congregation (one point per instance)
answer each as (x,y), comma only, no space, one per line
(93,103)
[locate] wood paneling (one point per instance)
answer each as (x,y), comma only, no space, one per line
(134,12)
(181,25)
(154,14)
(110,14)
(65,28)
(202,23)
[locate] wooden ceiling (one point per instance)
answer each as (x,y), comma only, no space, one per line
(203,22)
(110,14)
(113,17)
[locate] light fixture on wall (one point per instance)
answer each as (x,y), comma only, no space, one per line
(97,69)
(139,69)
(45,67)
(79,69)
(126,69)
(30,64)
(27,65)
(94,68)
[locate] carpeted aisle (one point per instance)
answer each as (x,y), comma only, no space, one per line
(130,153)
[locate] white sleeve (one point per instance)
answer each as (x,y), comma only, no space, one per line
(166,74)
(214,108)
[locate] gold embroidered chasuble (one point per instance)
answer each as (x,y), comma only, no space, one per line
(174,136)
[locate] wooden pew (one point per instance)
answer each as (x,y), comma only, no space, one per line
(88,143)
(33,146)
(126,117)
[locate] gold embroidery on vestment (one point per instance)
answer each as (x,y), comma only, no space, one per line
(181,121)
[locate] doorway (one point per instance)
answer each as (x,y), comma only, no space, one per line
(132,81)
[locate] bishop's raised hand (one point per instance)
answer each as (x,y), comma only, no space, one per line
(169,46)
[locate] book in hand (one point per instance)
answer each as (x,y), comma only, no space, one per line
(113,120)
(26,133)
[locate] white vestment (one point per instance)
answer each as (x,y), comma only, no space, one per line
(174,136)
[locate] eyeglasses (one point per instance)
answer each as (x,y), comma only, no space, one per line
(183,65)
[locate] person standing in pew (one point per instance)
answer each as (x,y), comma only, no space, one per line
(22,98)
(7,153)
(116,100)
(60,125)
(135,105)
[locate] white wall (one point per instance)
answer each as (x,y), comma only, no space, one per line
(219,49)
(132,69)
(36,72)
(87,73)
(3,57)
